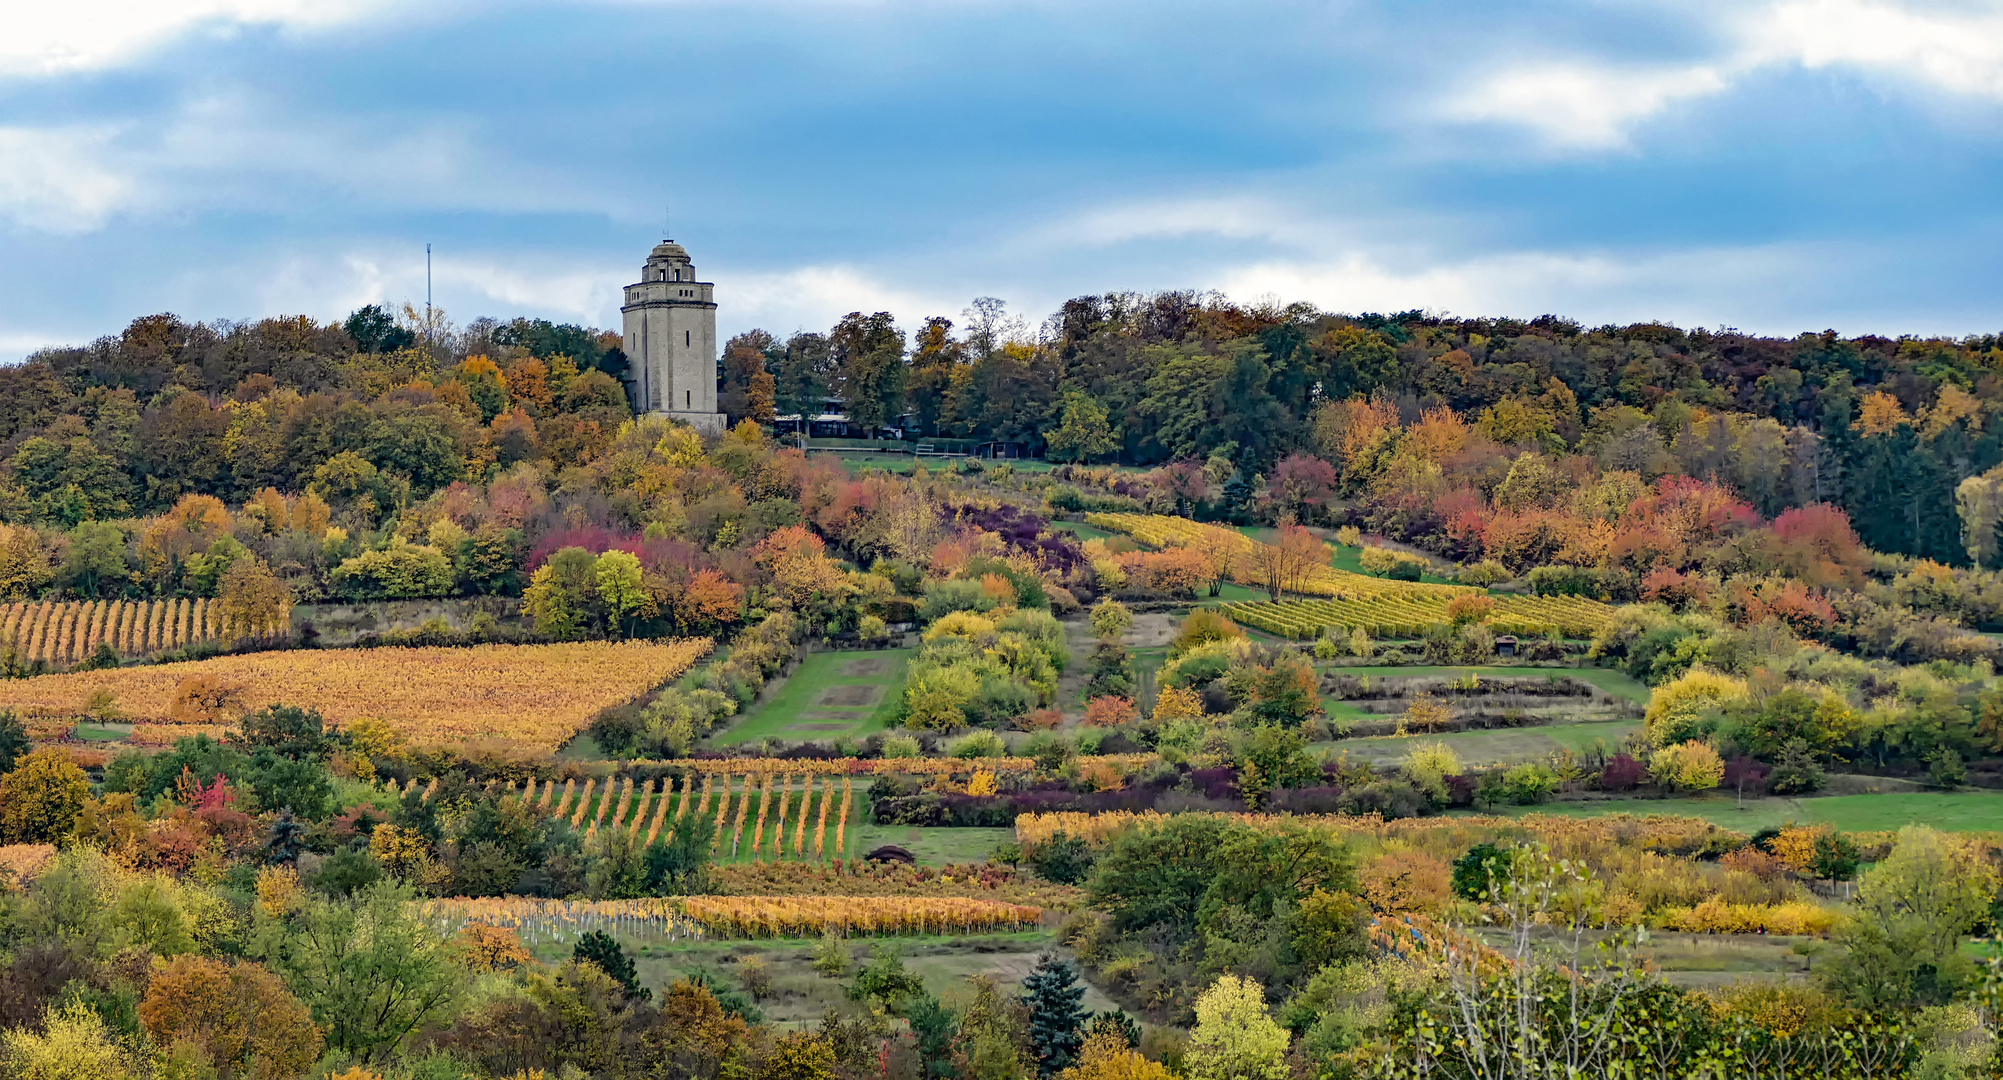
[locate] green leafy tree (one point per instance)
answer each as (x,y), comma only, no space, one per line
(1083,434)
(560,593)
(287,730)
(885,979)
(95,564)
(1478,871)
(369,967)
(1111,619)
(1904,936)
(490,561)
(617,575)
(933,1024)
(70,480)
(868,353)
(992,1041)
(1056,1022)
(399,572)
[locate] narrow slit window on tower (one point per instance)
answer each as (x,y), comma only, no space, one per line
(688,338)
(686,394)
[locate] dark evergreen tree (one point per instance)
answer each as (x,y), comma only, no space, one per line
(14,742)
(285,841)
(933,1025)
(375,331)
(599,947)
(1238,491)
(1056,1022)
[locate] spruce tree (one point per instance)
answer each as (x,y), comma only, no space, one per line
(1056,1022)
(601,948)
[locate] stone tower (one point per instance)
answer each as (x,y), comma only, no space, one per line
(671,340)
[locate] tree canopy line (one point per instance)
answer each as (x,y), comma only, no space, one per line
(1888,429)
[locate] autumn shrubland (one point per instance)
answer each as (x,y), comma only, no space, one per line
(1327,696)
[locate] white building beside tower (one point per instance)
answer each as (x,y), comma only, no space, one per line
(671,340)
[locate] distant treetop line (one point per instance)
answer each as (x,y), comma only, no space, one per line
(1886,428)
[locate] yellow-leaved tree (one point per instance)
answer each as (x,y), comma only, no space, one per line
(74,1044)
(1687,766)
(1106,1056)
(1677,709)
(1235,1038)
(41,798)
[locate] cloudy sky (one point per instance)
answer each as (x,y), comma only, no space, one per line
(1776,167)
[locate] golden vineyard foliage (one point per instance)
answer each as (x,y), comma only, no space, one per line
(69,632)
(1715,916)
(1124,763)
(733,916)
(812,916)
(522,699)
(649,809)
(1236,555)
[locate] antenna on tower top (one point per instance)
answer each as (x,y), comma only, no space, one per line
(667,223)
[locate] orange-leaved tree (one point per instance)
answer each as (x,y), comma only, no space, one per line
(239,1015)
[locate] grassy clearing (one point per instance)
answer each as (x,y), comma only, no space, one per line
(1959,811)
(933,847)
(1504,745)
(831,695)
(800,996)
(1081,530)
(1613,682)
(102,732)
(1702,960)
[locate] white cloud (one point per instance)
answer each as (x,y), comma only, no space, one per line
(1956,51)
(466,285)
(1230,217)
(1592,104)
(48,37)
(815,297)
(1688,287)
(55,179)
(228,151)
(1583,105)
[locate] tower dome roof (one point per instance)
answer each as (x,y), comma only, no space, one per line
(668,249)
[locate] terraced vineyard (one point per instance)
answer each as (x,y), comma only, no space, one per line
(1407,616)
(1238,551)
(1383,608)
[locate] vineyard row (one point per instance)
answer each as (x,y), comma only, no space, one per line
(782,824)
(1237,556)
(684,917)
(1408,616)
(64,633)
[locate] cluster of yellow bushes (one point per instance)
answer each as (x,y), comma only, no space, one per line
(1715,916)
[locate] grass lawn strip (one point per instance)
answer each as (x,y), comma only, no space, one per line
(813,704)
(1958,811)
(1490,746)
(1613,682)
